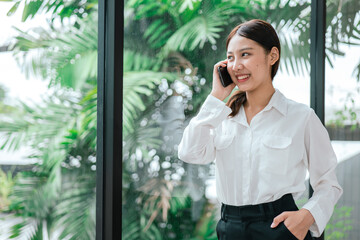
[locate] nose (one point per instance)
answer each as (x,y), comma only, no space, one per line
(237,66)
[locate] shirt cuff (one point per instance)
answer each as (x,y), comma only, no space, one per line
(320,223)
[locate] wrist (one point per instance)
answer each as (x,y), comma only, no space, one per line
(308,217)
(218,95)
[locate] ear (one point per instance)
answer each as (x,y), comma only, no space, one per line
(274,55)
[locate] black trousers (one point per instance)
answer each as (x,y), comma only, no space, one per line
(253,222)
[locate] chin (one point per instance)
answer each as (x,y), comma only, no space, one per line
(243,88)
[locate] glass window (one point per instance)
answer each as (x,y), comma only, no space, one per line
(342,110)
(170,48)
(48,61)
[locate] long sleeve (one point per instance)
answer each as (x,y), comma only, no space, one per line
(322,163)
(197,143)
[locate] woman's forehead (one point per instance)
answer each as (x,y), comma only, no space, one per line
(239,43)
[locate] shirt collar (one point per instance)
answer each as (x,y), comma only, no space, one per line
(277,101)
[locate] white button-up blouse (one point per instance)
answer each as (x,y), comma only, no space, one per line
(262,161)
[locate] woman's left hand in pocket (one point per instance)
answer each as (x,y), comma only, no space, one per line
(298,222)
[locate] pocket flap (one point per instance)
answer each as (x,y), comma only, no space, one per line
(223,141)
(277,142)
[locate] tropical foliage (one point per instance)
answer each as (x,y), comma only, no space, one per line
(6,185)
(196,29)
(170,49)
(58,9)
(56,199)
(340,223)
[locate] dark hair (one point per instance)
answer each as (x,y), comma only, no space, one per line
(265,35)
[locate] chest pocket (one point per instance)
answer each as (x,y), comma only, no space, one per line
(274,154)
(223,141)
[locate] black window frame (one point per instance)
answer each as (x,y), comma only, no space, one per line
(317,64)
(109,119)
(109,107)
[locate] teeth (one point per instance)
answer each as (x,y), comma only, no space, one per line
(243,77)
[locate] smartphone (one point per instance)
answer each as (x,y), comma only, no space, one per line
(225,78)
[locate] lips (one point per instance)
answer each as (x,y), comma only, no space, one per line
(242,77)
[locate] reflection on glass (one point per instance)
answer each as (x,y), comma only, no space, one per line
(342,111)
(169,53)
(48,117)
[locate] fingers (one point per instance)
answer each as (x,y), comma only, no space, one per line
(280,218)
(218,89)
(221,63)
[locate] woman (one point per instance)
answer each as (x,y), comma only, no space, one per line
(263,144)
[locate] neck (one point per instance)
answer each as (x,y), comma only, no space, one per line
(259,98)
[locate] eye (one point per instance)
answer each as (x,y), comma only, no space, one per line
(230,57)
(245,54)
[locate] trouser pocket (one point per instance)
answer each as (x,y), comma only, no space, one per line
(287,231)
(307,237)
(220,230)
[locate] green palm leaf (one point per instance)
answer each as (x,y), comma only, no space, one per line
(132,230)
(199,30)
(134,61)
(26,229)
(35,194)
(136,85)
(68,58)
(158,33)
(39,122)
(78,193)
(69,8)
(88,119)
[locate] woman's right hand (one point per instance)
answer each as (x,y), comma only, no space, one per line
(218,90)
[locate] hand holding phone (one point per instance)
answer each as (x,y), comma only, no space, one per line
(222,84)
(224,75)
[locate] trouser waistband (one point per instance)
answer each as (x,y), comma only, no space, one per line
(263,210)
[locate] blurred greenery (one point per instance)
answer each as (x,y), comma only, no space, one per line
(167,44)
(348,115)
(58,9)
(6,186)
(56,198)
(340,224)
(4,108)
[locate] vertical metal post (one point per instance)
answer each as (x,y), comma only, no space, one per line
(100,121)
(109,120)
(317,56)
(317,62)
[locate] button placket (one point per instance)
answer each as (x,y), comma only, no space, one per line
(250,138)
(247,165)
(249,159)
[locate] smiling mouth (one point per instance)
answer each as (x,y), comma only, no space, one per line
(242,78)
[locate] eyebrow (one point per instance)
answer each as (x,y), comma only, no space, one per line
(241,50)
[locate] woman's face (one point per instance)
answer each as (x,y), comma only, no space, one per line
(248,64)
